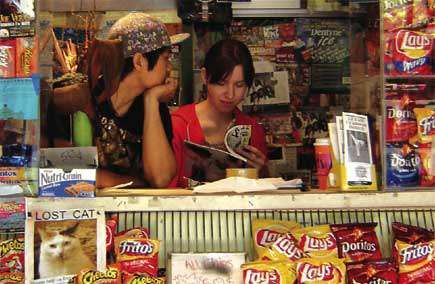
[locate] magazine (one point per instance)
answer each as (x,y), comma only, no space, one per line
(209,163)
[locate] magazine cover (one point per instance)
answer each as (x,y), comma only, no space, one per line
(17,18)
(63,242)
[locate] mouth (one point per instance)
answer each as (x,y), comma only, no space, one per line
(226,103)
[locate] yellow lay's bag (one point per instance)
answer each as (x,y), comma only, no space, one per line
(266,232)
(285,248)
(317,241)
(321,271)
(270,272)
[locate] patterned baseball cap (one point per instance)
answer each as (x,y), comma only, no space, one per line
(142,33)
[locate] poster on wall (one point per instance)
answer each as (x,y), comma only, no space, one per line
(269,88)
(60,243)
(17,18)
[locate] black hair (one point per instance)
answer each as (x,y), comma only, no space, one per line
(152,58)
(223,56)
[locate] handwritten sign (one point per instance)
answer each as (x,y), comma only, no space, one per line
(206,268)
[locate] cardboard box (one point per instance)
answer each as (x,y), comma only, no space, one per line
(68,172)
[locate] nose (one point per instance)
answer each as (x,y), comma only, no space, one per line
(229,93)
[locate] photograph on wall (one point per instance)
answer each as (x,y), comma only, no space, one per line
(269,88)
(17,18)
(60,243)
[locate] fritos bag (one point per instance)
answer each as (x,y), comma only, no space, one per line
(142,279)
(426,179)
(416,262)
(266,232)
(111,275)
(357,242)
(271,272)
(135,233)
(410,235)
(425,124)
(317,241)
(321,271)
(381,271)
(285,248)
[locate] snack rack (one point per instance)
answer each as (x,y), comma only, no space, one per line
(222,223)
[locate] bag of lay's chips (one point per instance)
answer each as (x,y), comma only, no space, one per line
(409,53)
(317,241)
(266,232)
(285,248)
(416,262)
(271,272)
(321,271)
(425,125)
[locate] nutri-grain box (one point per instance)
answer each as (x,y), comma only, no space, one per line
(68,172)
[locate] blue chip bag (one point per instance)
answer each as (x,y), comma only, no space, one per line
(403,164)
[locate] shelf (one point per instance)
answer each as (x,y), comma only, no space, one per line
(241,12)
(411,77)
(278,200)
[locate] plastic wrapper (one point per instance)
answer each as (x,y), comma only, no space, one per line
(112,275)
(403,14)
(110,234)
(381,271)
(12,255)
(416,262)
(11,277)
(266,232)
(401,123)
(142,279)
(7,58)
(426,178)
(285,248)
(426,125)
(318,241)
(357,242)
(321,271)
(403,165)
(271,272)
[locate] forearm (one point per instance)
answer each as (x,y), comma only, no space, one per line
(157,155)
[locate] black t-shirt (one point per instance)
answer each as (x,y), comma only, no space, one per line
(130,132)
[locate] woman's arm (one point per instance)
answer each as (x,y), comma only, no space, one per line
(158,159)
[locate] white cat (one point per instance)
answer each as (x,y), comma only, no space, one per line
(61,253)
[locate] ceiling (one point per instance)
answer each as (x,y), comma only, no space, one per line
(104,5)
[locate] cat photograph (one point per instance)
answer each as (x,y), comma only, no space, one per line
(64,247)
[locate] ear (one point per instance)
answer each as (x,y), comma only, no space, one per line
(140,62)
(203,76)
(44,234)
(71,230)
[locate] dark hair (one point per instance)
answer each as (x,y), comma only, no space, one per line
(105,57)
(223,56)
(152,58)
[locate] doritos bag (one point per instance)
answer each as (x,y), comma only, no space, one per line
(266,232)
(403,165)
(318,241)
(271,272)
(381,271)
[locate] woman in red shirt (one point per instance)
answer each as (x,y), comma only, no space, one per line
(228,74)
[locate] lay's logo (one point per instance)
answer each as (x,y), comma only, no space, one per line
(254,276)
(267,237)
(314,273)
(413,44)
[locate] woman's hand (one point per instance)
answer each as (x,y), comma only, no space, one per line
(165,92)
(256,158)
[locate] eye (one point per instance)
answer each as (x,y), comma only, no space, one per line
(52,246)
(220,83)
(67,243)
(241,84)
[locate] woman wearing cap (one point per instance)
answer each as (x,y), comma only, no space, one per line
(128,78)
(228,74)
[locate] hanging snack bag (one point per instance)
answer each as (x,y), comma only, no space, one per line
(110,234)
(321,271)
(409,53)
(26,56)
(403,165)
(357,242)
(271,272)
(403,14)
(285,248)
(142,279)
(135,233)
(416,262)
(381,271)
(11,277)
(111,275)
(317,241)
(425,125)
(266,232)
(401,123)
(137,255)
(410,235)
(426,179)
(12,255)
(7,58)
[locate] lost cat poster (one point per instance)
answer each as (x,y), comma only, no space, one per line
(63,242)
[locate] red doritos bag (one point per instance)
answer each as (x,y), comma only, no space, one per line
(381,271)
(401,123)
(357,242)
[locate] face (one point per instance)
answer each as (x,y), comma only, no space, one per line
(159,73)
(59,246)
(228,93)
